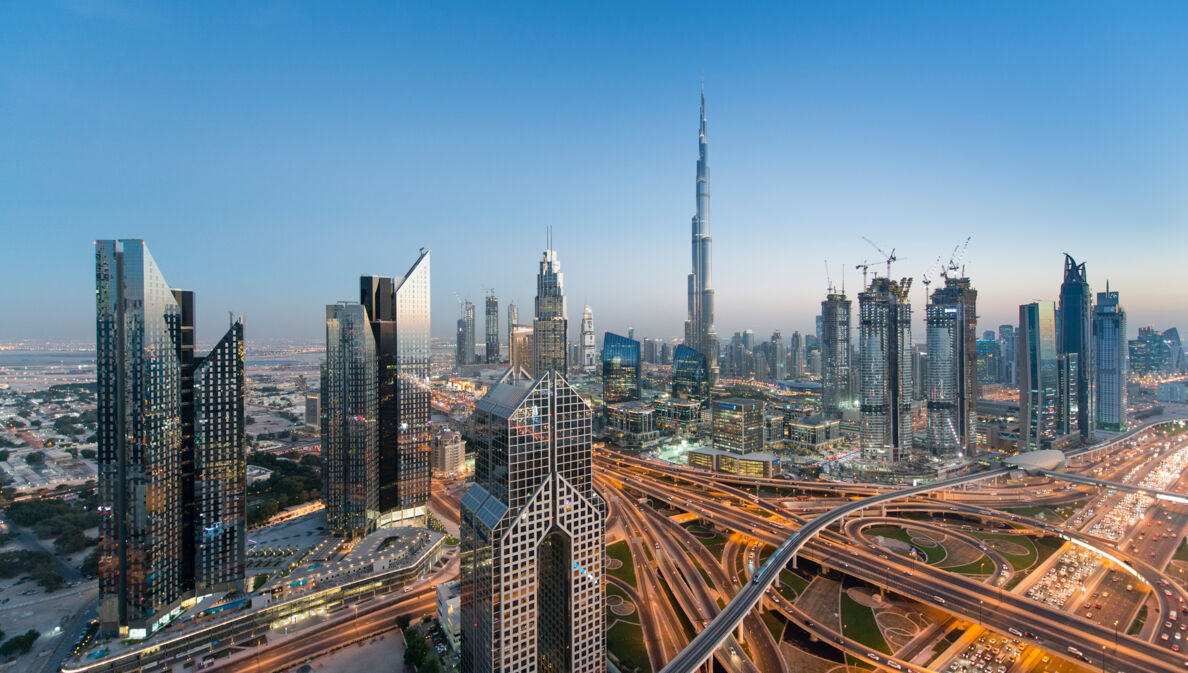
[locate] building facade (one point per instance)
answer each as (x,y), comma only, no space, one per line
(1039,376)
(521,353)
(885,376)
(952,384)
(491,344)
(170,446)
(1008,362)
(589,352)
(550,326)
(464,353)
(350,429)
(738,425)
(620,369)
(699,326)
(835,355)
(1110,346)
(532,534)
(690,375)
(1075,337)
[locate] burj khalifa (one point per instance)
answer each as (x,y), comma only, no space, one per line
(699,327)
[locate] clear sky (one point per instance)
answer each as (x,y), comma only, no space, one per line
(271,152)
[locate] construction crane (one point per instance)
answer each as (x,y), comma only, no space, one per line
(864,266)
(828,279)
(955,259)
(890,258)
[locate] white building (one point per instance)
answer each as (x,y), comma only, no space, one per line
(449,613)
(589,358)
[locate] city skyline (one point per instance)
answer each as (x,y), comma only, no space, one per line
(952,136)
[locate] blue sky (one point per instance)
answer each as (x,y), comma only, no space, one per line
(271,152)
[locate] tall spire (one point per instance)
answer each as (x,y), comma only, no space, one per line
(699,327)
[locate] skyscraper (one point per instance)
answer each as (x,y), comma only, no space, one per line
(350,410)
(989,361)
(690,375)
(1008,364)
(513,319)
(620,369)
(170,446)
(532,534)
(952,383)
(492,339)
(589,358)
(699,326)
(1110,347)
(885,380)
(399,312)
(1038,376)
(550,326)
(738,425)
(1074,334)
(464,348)
(835,354)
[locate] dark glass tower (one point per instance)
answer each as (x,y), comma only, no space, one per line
(398,309)
(620,369)
(885,379)
(492,340)
(550,326)
(350,407)
(690,375)
(532,534)
(835,355)
(1075,338)
(161,418)
(1039,376)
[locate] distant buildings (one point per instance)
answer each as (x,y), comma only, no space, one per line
(1039,422)
(550,326)
(989,361)
(170,432)
(589,351)
(885,376)
(1156,353)
(521,352)
(313,410)
(620,369)
(513,320)
(1075,342)
(491,344)
(699,326)
(464,353)
(835,355)
(350,410)
(952,388)
(1110,346)
(1008,363)
(532,534)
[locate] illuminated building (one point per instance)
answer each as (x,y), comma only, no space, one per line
(532,534)
(520,350)
(699,326)
(738,425)
(885,376)
(1109,343)
(952,385)
(1038,376)
(1075,338)
(620,369)
(690,375)
(349,422)
(550,326)
(589,358)
(491,344)
(835,355)
(464,353)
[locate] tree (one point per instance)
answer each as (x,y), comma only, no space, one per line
(403,621)
(89,454)
(70,541)
(3,455)
(90,565)
(416,652)
(35,458)
(18,645)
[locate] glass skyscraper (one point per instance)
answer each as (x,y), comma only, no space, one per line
(1039,376)
(835,355)
(170,446)
(620,369)
(532,534)
(885,376)
(738,425)
(690,375)
(951,381)
(1074,335)
(399,312)
(550,326)
(1109,343)
(350,410)
(491,344)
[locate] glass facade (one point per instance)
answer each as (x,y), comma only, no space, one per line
(350,406)
(550,326)
(491,344)
(532,530)
(690,375)
(885,370)
(1109,343)
(1074,337)
(989,361)
(835,355)
(620,369)
(738,425)
(1039,376)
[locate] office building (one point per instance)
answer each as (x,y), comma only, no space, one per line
(521,353)
(620,369)
(835,355)
(350,484)
(1110,347)
(1008,362)
(170,447)
(699,326)
(449,612)
(651,351)
(990,361)
(550,326)
(589,356)
(313,410)
(738,425)
(952,378)
(491,346)
(885,377)
(513,319)
(464,353)
(448,453)
(690,375)
(1038,376)
(532,534)
(1075,339)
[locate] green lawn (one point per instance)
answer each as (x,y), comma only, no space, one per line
(934,554)
(714,543)
(979,568)
(1182,551)
(1049,512)
(1017,561)
(1137,624)
(625,641)
(859,624)
(774,623)
(621,552)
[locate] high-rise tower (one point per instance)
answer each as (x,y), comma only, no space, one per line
(1039,376)
(589,359)
(532,534)
(885,380)
(550,326)
(952,382)
(699,326)
(513,319)
(350,411)
(491,342)
(1075,337)
(464,348)
(1110,348)
(398,310)
(171,461)
(835,355)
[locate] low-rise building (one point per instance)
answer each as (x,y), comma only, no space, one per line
(633,421)
(763,464)
(814,433)
(447,453)
(448,612)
